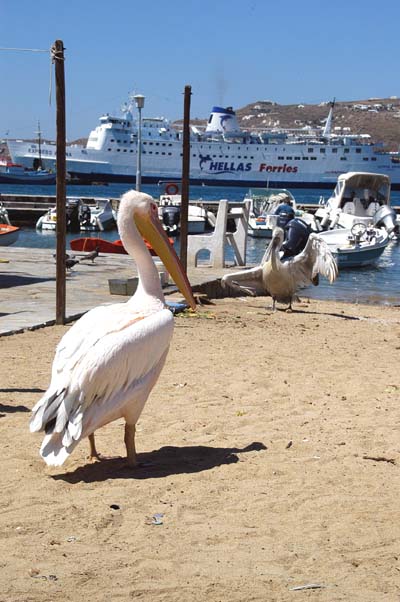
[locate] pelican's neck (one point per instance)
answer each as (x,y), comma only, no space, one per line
(149,280)
(275,259)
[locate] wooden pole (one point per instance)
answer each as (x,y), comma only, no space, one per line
(58,59)
(185,177)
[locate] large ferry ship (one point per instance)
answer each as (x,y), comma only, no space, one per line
(221,153)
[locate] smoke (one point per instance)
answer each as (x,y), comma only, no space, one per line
(221,85)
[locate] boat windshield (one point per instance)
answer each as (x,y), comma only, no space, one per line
(366,195)
(268,203)
(261,206)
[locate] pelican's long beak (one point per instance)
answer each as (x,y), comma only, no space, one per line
(151,229)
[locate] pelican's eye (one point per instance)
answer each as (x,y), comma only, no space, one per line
(154,209)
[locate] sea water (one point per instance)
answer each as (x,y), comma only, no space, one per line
(378,284)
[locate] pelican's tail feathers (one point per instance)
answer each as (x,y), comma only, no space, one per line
(53,452)
(45,409)
(60,415)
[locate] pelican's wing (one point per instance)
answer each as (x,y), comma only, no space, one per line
(245,281)
(109,357)
(316,258)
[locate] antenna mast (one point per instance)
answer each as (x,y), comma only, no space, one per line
(39,135)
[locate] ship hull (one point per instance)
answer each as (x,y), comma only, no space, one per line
(27,179)
(87,172)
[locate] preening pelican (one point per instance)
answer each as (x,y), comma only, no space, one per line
(106,365)
(282,279)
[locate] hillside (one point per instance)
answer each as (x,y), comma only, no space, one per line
(378,117)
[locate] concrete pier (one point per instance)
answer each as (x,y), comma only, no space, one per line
(28,285)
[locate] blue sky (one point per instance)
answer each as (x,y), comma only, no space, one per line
(231,53)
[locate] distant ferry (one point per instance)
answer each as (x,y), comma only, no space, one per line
(221,153)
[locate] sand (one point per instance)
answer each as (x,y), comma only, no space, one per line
(270,456)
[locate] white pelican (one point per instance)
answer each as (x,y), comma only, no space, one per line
(106,365)
(282,279)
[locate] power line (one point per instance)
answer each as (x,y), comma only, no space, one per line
(25,49)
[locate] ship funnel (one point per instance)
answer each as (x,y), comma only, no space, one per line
(222,121)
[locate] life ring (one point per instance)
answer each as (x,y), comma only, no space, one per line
(172,189)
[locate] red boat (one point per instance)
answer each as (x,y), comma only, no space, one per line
(104,246)
(8,234)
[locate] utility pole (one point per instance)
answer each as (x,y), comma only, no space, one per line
(57,52)
(185,177)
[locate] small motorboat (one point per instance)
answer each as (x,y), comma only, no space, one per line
(357,246)
(353,247)
(269,207)
(81,216)
(100,245)
(13,173)
(99,217)
(169,212)
(359,197)
(89,244)
(8,233)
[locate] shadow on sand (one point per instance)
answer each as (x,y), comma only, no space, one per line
(12,409)
(19,390)
(163,462)
(11,280)
(321,313)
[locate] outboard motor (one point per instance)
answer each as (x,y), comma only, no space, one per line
(85,215)
(72,215)
(297,233)
(386,217)
(171,215)
(285,213)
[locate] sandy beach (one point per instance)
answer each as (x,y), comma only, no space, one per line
(270,458)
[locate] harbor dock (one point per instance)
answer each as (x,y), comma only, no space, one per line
(28,285)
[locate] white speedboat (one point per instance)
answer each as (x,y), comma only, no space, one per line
(81,216)
(362,198)
(357,246)
(269,207)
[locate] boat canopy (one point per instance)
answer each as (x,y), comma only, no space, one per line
(362,186)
